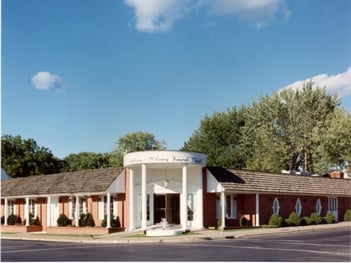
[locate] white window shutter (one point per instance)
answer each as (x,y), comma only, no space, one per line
(101,208)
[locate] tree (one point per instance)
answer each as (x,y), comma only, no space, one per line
(335,143)
(21,158)
(131,142)
(285,130)
(85,160)
(219,137)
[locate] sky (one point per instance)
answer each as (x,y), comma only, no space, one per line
(78,75)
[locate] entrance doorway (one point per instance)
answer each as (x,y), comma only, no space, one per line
(166,206)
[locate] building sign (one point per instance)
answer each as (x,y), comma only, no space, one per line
(154,157)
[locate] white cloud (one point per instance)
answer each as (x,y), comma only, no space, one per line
(158,15)
(339,83)
(256,12)
(46,81)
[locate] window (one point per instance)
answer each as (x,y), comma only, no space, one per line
(111,205)
(190,207)
(72,206)
(276,206)
(11,207)
(230,206)
(298,207)
(318,206)
(32,207)
(139,206)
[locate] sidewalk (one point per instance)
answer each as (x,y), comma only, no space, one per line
(196,236)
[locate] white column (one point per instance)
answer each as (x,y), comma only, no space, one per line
(48,221)
(223,210)
(26,211)
(131,200)
(76,216)
(143,196)
(257,210)
(6,212)
(183,203)
(108,208)
(199,203)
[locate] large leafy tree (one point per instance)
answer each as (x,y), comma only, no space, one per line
(23,157)
(219,137)
(335,144)
(131,142)
(286,129)
(85,160)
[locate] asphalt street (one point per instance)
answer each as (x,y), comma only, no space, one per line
(327,245)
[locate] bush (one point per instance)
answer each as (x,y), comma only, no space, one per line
(275,220)
(293,219)
(13,220)
(86,220)
(2,220)
(347,215)
(315,219)
(305,221)
(32,220)
(330,218)
(62,220)
(114,222)
(244,221)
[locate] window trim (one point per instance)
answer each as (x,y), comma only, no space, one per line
(298,207)
(318,206)
(276,206)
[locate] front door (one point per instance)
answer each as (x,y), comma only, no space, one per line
(159,208)
(173,209)
(166,206)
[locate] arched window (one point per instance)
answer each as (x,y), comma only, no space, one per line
(276,206)
(318,206)
(298,207)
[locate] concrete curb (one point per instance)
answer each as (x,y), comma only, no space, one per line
(203,236)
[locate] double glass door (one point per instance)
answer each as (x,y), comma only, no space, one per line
(166,206)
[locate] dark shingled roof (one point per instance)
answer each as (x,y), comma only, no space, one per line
(87,181)
(260,182)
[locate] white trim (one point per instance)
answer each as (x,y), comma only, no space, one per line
(298,207)
(319,206)
(276,206)
(131,200)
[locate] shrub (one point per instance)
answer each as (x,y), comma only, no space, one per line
(275,220)
(13,220)
(293,219)
(32,220)
(2,220)
(244,221)
(114,222)
(62,220)
(330,218)
(315,219)
(305,221)
(347,215)
(86,220)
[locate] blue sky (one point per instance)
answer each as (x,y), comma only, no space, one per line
(78,75)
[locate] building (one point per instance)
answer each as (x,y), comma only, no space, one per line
(175,186)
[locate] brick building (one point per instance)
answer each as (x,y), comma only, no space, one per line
(170,185)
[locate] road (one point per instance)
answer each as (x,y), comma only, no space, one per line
(326,245)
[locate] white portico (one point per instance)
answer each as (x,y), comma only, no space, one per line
(165,185)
